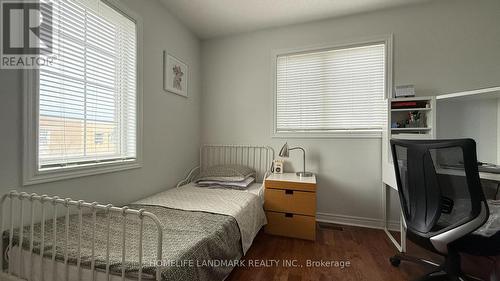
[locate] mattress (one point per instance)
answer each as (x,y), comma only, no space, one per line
(188,235)
(245,207)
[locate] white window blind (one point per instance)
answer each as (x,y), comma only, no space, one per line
(331,90)
(88,97)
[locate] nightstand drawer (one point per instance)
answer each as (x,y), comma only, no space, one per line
(301,186)
(290,201)
(291,225)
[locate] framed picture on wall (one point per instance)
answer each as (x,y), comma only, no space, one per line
(175,75)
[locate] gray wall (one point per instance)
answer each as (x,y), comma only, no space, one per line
(441,47)
(477,119)
(171,123)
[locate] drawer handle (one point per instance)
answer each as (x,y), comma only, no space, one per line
(289,191)
(288,215)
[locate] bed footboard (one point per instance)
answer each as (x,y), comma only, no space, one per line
(13,206)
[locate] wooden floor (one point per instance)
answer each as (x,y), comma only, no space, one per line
(367,251)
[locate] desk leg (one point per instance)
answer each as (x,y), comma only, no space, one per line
(402,233)
(401,247)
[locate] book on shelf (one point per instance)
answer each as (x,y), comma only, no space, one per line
(408,104)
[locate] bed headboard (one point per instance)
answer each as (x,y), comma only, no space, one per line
(258,158)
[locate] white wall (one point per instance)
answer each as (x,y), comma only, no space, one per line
(171,123)
(441,47)
(475,119)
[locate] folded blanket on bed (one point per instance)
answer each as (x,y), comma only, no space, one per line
(240,185)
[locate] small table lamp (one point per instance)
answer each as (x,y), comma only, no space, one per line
(285,152)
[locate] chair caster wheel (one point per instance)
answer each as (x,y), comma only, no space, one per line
(395,261)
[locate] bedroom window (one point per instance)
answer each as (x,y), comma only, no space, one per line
(91,90)
(332,91)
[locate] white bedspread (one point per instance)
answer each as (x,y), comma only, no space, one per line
(245,207)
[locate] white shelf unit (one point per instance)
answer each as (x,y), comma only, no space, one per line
(427,108)
(424,106)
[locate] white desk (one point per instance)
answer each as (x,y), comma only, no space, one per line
(482,175)
(401,246)
(489,176)
(388,176)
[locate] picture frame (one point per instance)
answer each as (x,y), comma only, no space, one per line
(175,75)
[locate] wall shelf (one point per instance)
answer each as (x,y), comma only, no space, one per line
(485,93)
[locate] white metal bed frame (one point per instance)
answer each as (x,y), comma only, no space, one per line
(68,204)
(256,157)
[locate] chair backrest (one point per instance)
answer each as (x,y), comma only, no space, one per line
(438,184)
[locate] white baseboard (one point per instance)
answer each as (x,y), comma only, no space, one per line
(356,221)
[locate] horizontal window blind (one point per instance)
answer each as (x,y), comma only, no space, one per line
(331,90)
(88,97)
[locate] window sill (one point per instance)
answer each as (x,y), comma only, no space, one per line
(328,135)
(77,172)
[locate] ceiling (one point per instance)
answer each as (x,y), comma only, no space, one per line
(214,18)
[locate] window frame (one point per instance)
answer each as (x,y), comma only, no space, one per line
(383,39)
(31,173)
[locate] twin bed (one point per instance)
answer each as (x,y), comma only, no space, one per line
(184,233)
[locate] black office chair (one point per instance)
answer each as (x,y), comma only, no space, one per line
(442,201)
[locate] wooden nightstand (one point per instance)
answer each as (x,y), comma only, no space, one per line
(290,205)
